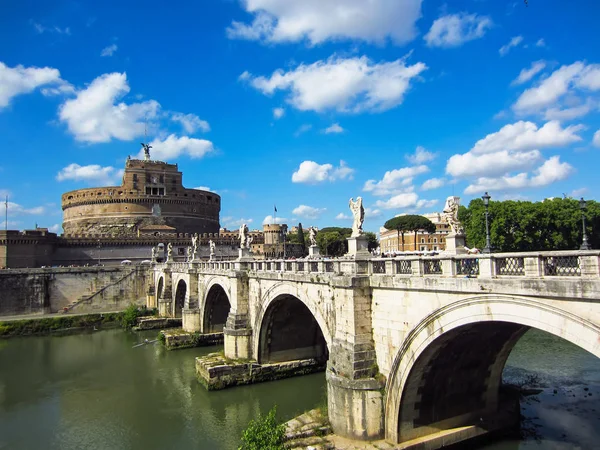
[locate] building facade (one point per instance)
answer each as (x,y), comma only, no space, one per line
(151,194)
(389,241)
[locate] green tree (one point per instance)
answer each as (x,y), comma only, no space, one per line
(409,223)
(332,240)
(264,433)
(373,243)
(553,224)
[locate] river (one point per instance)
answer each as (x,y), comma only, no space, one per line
(98,391)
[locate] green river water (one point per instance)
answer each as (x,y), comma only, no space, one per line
(96,391)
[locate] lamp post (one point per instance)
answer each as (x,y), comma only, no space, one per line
(584,244)
(486,203)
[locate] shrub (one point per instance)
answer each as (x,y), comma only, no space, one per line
(264,433)
(130,315)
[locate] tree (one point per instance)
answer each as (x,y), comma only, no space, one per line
(372,241)
(301,239)
(518,226)
(409,222)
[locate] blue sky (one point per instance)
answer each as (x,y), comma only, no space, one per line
(301,104)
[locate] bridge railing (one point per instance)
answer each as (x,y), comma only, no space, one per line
(497,265)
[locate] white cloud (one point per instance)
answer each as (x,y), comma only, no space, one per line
(342,216)
(278,113)
(342,84)
(596,140)
(311,172)
(93,174)
(42,29)
(426,204)
(568,113)
(15,209)
(205,188)
(94,117)
(334,128)
(270,220)
(109,51)
(406,200)
(576,77)
(229,222)
(318,21)
(512,43)
(433,183)
(20,80)
(454,30)
(421,156)
(191,122)
(394,181)
(491,164)
(56,228)
(575,193)
(308,212)
(174,146)
(527,74)
(371,213)
(302,129)
(540,43)
(522,136)
(551,171)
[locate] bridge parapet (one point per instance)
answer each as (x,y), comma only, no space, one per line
(575,263)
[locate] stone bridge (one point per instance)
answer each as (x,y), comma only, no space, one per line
(415,346)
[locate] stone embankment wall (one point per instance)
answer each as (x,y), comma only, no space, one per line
(39,291)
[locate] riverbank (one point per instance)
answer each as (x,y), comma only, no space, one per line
(69,323)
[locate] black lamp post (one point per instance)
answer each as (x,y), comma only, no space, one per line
(584,244)
(486,203)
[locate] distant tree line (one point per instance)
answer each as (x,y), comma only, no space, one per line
(517,226)
(332,241)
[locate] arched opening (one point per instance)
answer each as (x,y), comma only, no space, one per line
(457,381)
(180,294)
(159,290)
(216,309)
(289,331)
(448,372)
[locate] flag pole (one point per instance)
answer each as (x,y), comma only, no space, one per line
(274,214)
(6,214)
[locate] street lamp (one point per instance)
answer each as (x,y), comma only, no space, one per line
(584,245)
(486,203)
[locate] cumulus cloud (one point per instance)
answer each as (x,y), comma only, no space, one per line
(95,116)
(311,172)
(191,122)
(15,209)
(420,156)
(371,213)
(174,146)
(302,129)
(278,113)
(394,181)
(21,80)
(205,188)
(270,220)
(342,84)
(92,174)
(308,212)
(551,171)
(527,74)
(56,228)
(514,147)
(596,140)
(568,113)
(515,41)
(109,51)
(433,183)
(405,200)
(277,21)
(540,43)
(576,78)
(334,128)
(453,30)
(342,216)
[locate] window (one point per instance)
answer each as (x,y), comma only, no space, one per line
(162,179)
(435,241)
(135,177)
(148,178)
(148,190)
(422,241)
(181,251)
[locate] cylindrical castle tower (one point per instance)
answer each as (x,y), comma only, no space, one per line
(150,195)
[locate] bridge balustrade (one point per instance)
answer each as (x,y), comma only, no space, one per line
(467,267)
(566,266)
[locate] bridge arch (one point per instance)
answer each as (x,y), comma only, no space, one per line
(215,309)
(458,352)
(180,294)
(160,287)
(283,306)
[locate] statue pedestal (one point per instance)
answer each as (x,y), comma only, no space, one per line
(358,247)
(455,244)
(313,251)
(212,257)
(245,254)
